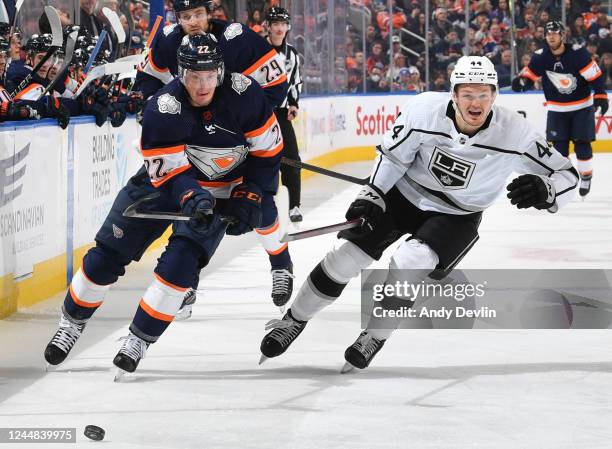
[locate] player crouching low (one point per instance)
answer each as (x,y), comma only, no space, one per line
(442,163)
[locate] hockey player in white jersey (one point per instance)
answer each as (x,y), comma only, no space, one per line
(442,163)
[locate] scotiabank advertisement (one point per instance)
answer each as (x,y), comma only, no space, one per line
(329,123)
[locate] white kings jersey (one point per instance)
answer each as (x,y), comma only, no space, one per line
(439,169)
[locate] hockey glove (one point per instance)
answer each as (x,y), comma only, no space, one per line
(135,102)
(95,102)
(117,113)
(15,111)
(56,109)
(199,203)
(602,104)
(245,206)
(520,84)
(370,205)
(532,191)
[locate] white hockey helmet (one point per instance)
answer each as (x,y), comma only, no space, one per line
(473,70)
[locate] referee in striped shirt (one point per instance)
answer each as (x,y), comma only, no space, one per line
(278,23)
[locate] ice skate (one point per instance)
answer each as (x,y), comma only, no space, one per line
(63,341)
(295,215)
(360,354)
(585,185)
(132,351)
(283,333)
(282,286)
(187,306)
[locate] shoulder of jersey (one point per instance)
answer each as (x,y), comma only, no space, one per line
(166,100)
(170,36)
(507,119)
(232,31)
(240,85)
(169,29)
(427,103)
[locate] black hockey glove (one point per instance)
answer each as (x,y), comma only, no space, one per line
(602,104)
(135,102)
(199,203)
(532,191)
(370,205)
(94,101)
(10,111)
(117,113)
(55,109)
(520,84)
(245,206)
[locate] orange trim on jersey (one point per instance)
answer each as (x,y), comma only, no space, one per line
(587,67)
(154,313)
(269,230)
(220,183)
(268,153)
(171,174)
(527,73)
(82,303)
(594,77)
(169,284)
(157,69)
(153,32)
(259,131)
(161,151)
(276,82)
(569,103)
(260,62)
(278,251)
(27,89)
(602,96)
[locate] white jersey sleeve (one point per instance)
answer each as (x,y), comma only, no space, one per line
(396,152)
(540,158)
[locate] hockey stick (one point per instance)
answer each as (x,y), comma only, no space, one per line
(132,212)
(95,51)
(56,43)
(121,65)
(70,44)
(324,171)
(350,224)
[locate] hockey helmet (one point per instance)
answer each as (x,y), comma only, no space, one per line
(473,70)
(184,5)
(5,29)
(200,52)
(38,43)
(278,14)
(554,26)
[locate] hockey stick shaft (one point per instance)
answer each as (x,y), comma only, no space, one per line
(94,53)
(324,171)
(62,71)
(350,224)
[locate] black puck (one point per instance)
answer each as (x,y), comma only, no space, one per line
(94,433)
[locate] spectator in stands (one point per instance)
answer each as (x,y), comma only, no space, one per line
(492,43)
(416,85)
(502,14)
(371,37)
(403,82)
(441,26)
(504,69)
(89,21)
(376,81)
(600,24)
(578,31)
(399,62)
(377,55)
(440,84)
(418,28)
(442,50)
(396,47)
(606,68)
(385,20)
(220,13)
(255,18)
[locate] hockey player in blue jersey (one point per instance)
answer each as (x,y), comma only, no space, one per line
(568,75)
(211,143)
(247,53)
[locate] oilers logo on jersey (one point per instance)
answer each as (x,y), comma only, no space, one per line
(450,171)
(216,162)
(565,83)
(233,30)
(167,104)
(240,83)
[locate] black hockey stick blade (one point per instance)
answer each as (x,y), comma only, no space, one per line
(354,223)
(324,171)
(133,212)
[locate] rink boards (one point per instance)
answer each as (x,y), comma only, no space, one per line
(56,186)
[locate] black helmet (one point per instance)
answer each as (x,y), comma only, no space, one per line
(5,29)
(200,52)
(278,14)
(554,26)
(184,5)
(38,43)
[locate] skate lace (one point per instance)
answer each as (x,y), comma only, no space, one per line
(285,330)
(280,281)
(366,344)
(133,347)
(67,334)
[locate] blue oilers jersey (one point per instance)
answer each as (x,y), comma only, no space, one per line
(244,51)
(17,71)
(234,139)
(567,79)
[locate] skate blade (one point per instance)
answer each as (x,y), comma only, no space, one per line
(282,309)
(119,375)
(347,368)
(48,368)
(262,359)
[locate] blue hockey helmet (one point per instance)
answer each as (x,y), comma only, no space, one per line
(200,52)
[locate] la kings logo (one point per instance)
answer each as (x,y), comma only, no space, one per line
(451,172)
